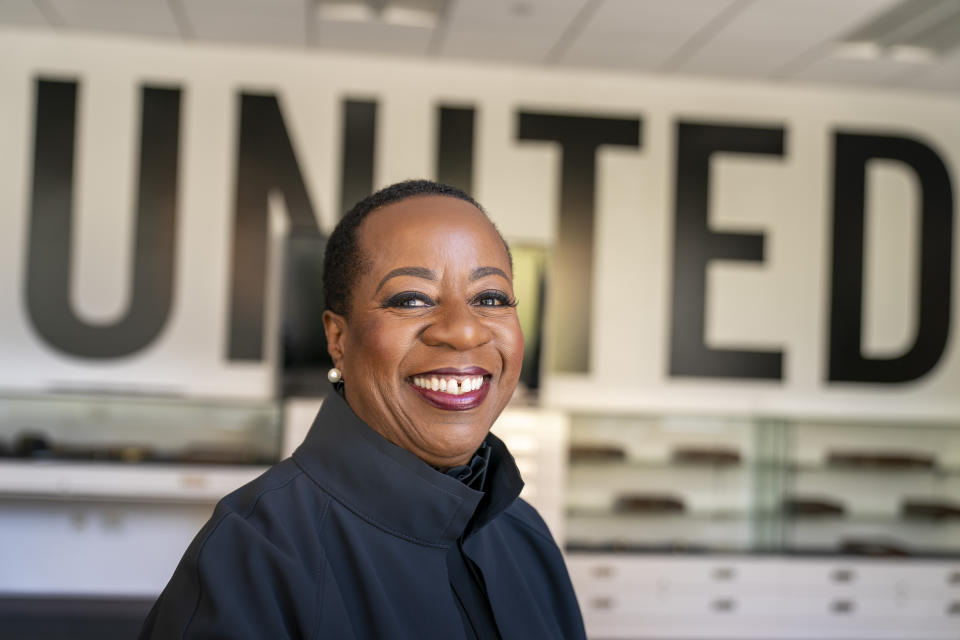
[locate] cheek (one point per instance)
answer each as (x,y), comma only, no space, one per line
(382,348)
(511,340)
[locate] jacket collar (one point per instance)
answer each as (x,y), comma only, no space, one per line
(393,489)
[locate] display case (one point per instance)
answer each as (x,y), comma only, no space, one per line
(726,527)
(105,428)
(730,484)
(873,488)
(100,494)
(646,483)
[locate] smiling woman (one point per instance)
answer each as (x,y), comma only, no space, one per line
(435,302)
(399,515)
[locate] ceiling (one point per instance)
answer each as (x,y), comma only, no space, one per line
(774,40)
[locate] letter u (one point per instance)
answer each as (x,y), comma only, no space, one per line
(51,219)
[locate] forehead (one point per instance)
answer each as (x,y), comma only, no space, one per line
(430,231)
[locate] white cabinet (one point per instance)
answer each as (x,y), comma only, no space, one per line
(776,597)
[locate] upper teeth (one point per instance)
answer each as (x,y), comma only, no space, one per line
(454,386)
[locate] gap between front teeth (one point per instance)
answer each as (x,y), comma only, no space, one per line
(452,386)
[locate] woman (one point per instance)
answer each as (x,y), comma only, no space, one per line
(398,516)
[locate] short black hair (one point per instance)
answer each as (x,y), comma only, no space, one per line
(343,261)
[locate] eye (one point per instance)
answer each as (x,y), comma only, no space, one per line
(494,298)
(408,300)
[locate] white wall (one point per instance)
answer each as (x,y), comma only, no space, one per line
(781,304)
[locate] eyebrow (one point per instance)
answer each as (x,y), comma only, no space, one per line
(416,272)
(429,274)
(481,272)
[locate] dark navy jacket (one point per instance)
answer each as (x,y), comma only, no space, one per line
(349,539)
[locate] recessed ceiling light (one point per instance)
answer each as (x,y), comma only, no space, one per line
(911,31)
(911,54)
(409,17)
(409,13)
(858,50)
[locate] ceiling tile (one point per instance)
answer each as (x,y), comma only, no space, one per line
(520,31)
(21,13)
(828,68)
(145,17)
(228,7)
(247,21)
(770,38)
(942,76)
(766,39)
(639,34)
(374,37)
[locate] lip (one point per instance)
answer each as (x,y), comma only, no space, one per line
(455,371)
(460,402)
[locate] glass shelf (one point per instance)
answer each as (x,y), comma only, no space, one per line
(853,518)
(138,429)
(748,478)
(582,513)
(658,465)
(138,483)
(885,471)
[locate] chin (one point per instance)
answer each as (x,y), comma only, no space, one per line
(459,452)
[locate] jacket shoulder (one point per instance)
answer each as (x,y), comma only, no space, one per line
(244,500)
(282,509)
(524,513)
(260,546)
(282,492)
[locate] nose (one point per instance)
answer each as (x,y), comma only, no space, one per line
(456,326)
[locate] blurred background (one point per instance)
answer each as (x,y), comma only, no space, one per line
(735,231)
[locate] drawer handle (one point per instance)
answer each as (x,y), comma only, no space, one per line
(724,573)
(842,607)
(194,481)
(602,603)
(954,578)
(603,571)
(953,609)
(843,575)
(724,605)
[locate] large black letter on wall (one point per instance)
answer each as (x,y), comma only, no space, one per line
(695,246)
(571,278)
(266,163)
(50,250)
(359,142)
(455,147)
(853,153)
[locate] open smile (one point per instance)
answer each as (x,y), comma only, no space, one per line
(452,389)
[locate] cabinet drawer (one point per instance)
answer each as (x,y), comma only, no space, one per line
(677,574)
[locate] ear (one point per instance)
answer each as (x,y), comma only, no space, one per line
(335,328)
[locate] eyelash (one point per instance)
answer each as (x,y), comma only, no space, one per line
(403,300)
(502,299)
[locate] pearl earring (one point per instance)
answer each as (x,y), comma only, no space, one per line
(334,375)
